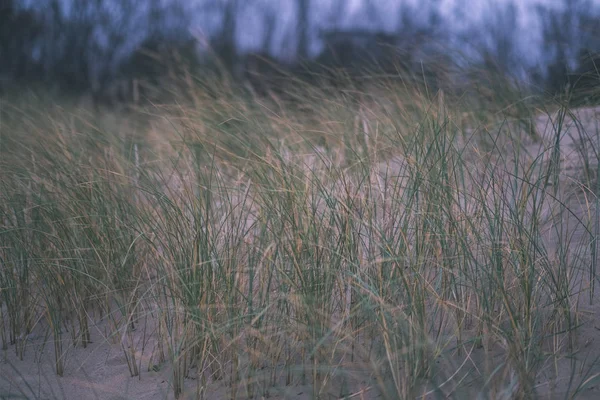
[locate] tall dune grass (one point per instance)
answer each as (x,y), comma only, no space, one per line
(386,242)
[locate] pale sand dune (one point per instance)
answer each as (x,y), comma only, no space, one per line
(100,371)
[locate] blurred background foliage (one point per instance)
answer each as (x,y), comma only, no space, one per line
(121,50)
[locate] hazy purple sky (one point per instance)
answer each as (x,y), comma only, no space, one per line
(460,17)
(469,20)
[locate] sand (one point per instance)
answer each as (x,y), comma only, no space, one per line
(100,371)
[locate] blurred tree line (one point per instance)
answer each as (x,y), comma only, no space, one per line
(101,46)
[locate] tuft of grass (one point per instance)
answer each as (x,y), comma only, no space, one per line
(385,241)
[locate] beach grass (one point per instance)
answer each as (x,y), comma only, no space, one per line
(383,242)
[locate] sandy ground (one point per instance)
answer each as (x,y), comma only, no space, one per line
(100,371)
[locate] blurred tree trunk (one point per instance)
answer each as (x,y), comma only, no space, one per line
(303,21)
(226,46)
(18,31)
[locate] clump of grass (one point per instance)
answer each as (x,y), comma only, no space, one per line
(384,241)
